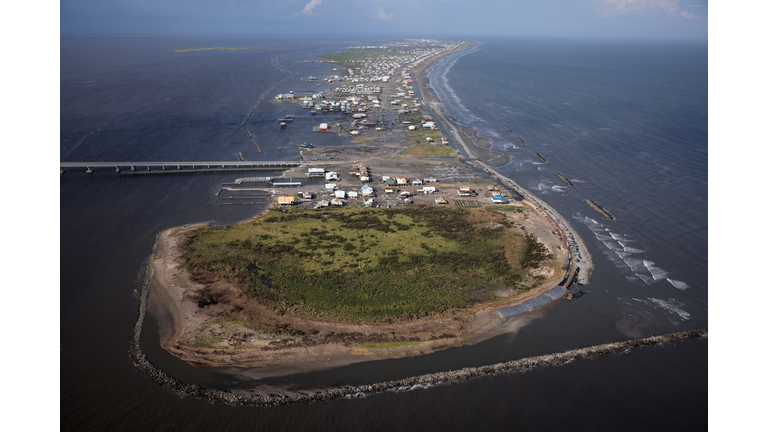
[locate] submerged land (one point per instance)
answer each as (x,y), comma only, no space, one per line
(392,273)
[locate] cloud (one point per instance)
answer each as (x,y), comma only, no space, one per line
(634,7)
(310,7)
(380,14)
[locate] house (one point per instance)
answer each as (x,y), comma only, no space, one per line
(401,181)
(285,200)
(337,202)
(322,203)
(331,186)
(340,194)
(404,194)
(430,180)
(427,190)
(367,190)
(316,172)
(368,202)
(331,176)
(305,195)
(389,191)
(498,199)
(441,200)
(323,126)
(352,194)
(465,191)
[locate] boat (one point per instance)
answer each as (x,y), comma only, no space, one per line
(306,145)
(283,125)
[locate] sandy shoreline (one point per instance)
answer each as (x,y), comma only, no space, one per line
(179,317)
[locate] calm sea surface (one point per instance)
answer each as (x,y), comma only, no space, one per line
(625,122)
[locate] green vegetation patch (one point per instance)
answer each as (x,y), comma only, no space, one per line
(223,49)
(368,264)
(351,57)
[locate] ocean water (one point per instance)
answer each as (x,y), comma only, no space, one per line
(627,123)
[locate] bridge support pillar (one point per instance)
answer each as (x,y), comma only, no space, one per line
(133,168)
(89,170)
(117,170)
(163,167)
(148,169)
(178,167)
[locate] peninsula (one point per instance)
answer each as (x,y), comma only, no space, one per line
(336,273)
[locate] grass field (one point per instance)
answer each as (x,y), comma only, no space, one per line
(366,264)
(223,49)
(350,58)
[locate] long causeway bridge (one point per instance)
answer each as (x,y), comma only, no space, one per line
(183,167)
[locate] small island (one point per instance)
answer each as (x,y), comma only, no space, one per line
(306,286)
(346,284)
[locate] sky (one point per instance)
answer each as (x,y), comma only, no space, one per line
(644,19)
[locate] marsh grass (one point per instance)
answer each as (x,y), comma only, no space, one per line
(362,264)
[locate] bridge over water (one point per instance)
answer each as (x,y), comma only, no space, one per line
(180,167)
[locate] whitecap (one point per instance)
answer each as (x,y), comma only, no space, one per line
(632,250)
(614,247)
(621,237)
(646,278)
(635,264)
(672,305)
(678,284)
(656,272)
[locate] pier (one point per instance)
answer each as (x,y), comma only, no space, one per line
(184,167)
